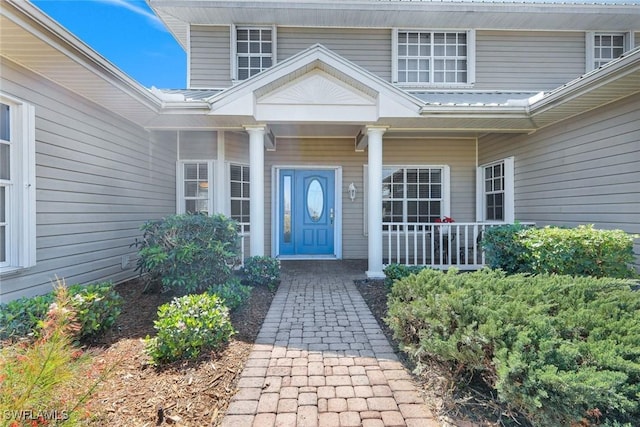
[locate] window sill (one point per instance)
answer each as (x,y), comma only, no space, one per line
(11,270)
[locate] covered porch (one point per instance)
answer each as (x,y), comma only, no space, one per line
(329,161)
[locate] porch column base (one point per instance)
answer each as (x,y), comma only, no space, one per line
(375,274)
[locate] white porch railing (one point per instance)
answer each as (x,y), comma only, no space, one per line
(243,232)
(439,245)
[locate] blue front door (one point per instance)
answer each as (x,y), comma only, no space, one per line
(307,212)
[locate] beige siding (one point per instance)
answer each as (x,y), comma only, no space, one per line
(369,48)
(198,145)
(210,57)
(581,171)
(513,60)
(98,178)
(458,154)
(236,147)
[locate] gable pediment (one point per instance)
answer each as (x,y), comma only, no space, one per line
(316,96)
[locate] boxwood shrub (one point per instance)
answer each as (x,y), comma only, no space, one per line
(188,325)
(262,271)
(584,250)
(233,292)
(188,253)
(559,349)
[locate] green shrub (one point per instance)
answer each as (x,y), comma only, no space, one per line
(20,317)
(262,271)
(394,272)
(188,252)
(504,249)
(188,325)
(96,308)
(583,250)
(557,348)
(233,292)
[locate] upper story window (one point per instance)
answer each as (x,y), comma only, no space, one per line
(17,185)
(254,50)
(605,47)
(433,57)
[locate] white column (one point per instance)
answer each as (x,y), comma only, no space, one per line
(374,198)
(221,192)
(256,177)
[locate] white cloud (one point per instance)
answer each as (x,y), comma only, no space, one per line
(135,8)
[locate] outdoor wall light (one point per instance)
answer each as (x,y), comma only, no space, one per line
(352,191)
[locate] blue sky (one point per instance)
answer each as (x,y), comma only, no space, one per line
(128,34)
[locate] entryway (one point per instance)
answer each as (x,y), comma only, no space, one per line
(307,213)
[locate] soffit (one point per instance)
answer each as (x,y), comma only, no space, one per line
(406,14)
(37,43)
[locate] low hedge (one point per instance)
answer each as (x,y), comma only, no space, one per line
(559,349)
(584,250)
(96,308)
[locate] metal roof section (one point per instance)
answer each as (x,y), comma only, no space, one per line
(185,95)
(475,98)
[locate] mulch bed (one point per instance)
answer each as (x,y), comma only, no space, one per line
(198,392)
(193,393)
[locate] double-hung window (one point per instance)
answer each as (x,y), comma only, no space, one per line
(496,191)
(254,51)
(433,57)
(239,194)
(195,193)
(17,185)
(413,194)
(605,47)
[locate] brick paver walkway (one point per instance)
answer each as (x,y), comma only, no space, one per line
(321,359)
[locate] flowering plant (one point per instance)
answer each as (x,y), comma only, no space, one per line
(446,219)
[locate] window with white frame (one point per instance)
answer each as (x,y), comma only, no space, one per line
(496,191)
(603,47)
(432,57)
(254,50)
(239,194)
(412,194)
(196,191)
(17,184)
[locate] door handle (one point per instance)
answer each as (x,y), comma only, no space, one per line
(331,215)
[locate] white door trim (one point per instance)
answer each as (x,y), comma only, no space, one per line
(275,209)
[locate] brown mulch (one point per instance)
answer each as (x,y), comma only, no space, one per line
(198,392)
(193,393)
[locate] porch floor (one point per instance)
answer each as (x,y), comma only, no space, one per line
(321,359)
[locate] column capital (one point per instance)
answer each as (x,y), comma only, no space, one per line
(376,129)
(259,129)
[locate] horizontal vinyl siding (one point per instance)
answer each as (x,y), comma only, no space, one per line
(581,171)
(513,60)
(369,48)
(198,145)
(210,57)
(458,154)
(98,178)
